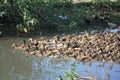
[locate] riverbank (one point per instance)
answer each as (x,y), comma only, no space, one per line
(78,16)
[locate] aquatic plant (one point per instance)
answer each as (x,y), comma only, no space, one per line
(73,75)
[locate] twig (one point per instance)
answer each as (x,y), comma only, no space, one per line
(42,17)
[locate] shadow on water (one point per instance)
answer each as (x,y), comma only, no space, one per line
(17,65)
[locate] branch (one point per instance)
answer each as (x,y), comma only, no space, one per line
(38,14)
(43,18)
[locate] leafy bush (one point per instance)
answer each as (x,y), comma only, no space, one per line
(34,15)
(28,13)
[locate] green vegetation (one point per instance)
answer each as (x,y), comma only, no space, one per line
(73,75)
(69,75)
(40,16)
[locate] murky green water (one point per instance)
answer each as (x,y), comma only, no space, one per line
(16,65)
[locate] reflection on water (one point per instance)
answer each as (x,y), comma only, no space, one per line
(48,69)
(16,65)
(36,70)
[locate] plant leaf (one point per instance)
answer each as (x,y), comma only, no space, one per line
(25,30)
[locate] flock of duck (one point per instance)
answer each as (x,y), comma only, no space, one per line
(89,45)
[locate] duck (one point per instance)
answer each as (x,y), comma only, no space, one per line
(56,38)
(30,39)
(85,47)
(22,47)
(112,25)
(112,30)
(104,18)
(15,46)
(101,18)
(36,42)
(32,49)
(32,52)
(49,53)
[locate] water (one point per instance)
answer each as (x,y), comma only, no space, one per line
(17,65)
